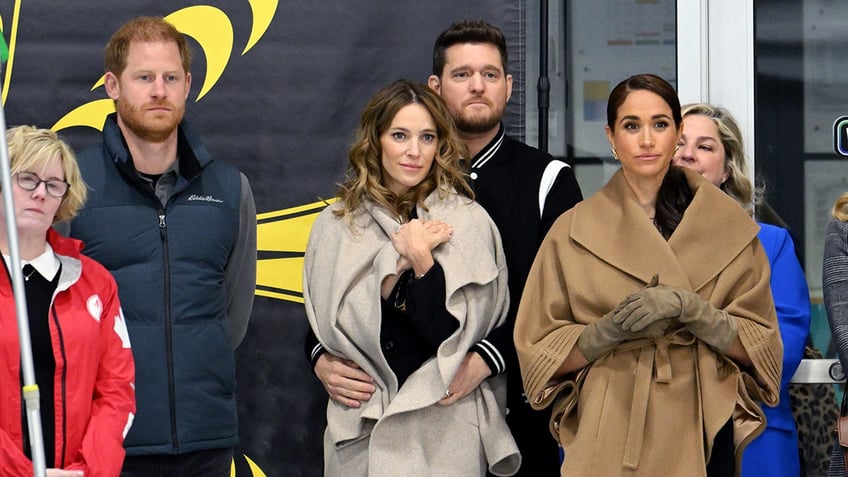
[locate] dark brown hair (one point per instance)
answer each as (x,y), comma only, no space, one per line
(646,82)
(468,31)
(674,195)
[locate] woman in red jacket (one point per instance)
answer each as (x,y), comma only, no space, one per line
(81,351)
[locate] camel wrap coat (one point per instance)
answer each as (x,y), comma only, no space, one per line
(404,431)
(651,406)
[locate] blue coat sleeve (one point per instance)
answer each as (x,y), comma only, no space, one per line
(791,297)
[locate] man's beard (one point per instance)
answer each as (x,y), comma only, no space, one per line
(150,130)
(478,124)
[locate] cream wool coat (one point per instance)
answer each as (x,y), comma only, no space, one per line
(649,407)
(405,432)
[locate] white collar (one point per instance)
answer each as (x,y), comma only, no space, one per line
(46,264)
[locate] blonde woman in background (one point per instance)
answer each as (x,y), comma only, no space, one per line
(835,290)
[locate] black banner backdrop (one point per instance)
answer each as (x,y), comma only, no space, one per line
(277,88)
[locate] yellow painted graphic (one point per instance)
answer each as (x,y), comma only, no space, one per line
(281,242)
(263,13)
(12,42)
(213,31)
(91,114)
(254,469)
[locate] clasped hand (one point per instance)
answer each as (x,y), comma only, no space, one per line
(644,314)
(653,304)
(661,304)
(649,312)
(416,239)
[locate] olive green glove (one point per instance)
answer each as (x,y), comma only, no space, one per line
(650,304)
(709,324)
(601,336)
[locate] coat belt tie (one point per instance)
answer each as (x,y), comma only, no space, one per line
(653,354)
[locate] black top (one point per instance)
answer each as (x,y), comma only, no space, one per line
(415,321)
(39,294)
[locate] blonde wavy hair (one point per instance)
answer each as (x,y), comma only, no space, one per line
(840,207)
(32,149)
(737,184)
(365,179)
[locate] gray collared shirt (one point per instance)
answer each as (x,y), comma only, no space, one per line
(165,185)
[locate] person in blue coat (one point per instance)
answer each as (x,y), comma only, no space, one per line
(711,144)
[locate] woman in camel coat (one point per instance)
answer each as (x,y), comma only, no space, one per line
(651,328)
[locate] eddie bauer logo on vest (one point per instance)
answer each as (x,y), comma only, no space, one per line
(204,198)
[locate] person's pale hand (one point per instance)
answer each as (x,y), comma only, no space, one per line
(420,236)
(470,374)
(441,231)
(343,380)
(64,473)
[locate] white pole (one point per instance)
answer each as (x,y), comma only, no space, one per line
(30,388)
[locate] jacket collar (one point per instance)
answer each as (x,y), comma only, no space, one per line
(64,245)
(714,230)
(67,251)
(490,150)
(192,154)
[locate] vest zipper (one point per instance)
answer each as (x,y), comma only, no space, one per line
(169,336)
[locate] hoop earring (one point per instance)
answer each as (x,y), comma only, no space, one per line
(614,154)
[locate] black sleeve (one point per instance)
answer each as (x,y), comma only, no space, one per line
(312,348)
(427,310)
(564,194)
(498,349)
(426,307)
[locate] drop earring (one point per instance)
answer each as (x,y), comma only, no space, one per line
(614,154)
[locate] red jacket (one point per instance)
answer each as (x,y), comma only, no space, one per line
(95,375)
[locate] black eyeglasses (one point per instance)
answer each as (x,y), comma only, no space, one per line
(30,181)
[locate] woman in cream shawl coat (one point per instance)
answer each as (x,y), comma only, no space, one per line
(400,229)
(652,330)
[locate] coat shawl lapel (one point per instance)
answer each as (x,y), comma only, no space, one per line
(700,248)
